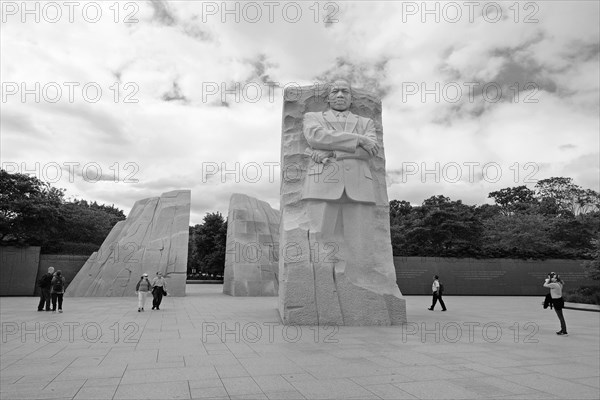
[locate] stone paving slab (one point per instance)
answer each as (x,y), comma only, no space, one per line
(212,346)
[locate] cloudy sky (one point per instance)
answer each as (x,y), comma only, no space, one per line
(118,101)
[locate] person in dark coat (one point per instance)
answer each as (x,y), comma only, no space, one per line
(44,283)
(159,288)
(57,290)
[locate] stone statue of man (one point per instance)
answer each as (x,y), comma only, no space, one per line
(336,265)
(342,144)
(340,203)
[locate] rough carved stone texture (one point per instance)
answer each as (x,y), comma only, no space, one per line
(342,290)
(251,260)
(153,238)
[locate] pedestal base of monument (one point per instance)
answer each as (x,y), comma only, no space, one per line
(340,304)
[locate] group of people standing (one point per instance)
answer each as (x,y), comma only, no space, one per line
(158,287)
(52,288)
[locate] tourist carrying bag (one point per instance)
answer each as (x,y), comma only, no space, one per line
(58,286)
(548,301)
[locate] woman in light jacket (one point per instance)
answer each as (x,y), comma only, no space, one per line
(142,289)
(556,284)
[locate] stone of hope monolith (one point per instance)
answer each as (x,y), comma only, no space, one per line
(153,238)
(335,264)
(251,258)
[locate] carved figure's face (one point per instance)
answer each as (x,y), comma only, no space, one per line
(340,96)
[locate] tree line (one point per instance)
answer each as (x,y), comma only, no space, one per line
(557,219)
(33,213)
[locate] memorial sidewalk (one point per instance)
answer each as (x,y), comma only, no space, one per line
(209,345)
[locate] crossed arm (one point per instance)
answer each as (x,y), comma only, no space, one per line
(325,142)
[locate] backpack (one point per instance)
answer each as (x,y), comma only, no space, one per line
(58,285)
(441,287)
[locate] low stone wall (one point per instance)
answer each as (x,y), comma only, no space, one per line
(22,267)
(494,277)
(18,267)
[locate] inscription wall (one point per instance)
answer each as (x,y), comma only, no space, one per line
(470,276)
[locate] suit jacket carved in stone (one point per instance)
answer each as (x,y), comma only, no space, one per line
(349,170)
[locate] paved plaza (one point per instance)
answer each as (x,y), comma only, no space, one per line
(209,345)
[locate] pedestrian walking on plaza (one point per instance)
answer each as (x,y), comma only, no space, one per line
(159,288)
(142,289)
(57,290)
(437,288)
(556,284)
(45,283)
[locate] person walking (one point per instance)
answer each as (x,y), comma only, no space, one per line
(45,283)
(555,284)
(142,289)
(57,290)
(437,290)
(159,287)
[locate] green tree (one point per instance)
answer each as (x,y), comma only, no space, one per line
(193,264)
(515,199)
(399,209)
(557,220)
(83,222)
(487,211)
(575,233)
(439,227)
(592,267)
(520,236)
(29,210)
(561,196)
(33,213)
(210,243)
